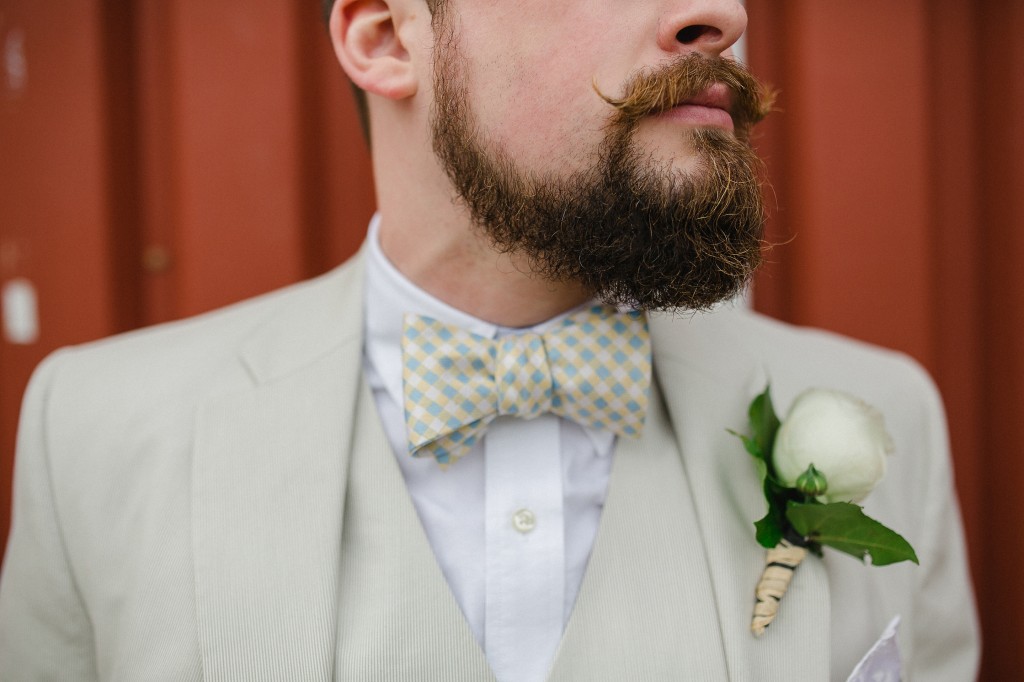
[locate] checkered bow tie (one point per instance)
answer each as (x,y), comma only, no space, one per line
(593,368)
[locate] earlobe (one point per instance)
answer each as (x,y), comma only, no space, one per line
(368,45)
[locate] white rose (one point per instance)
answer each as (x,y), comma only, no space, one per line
(842,436)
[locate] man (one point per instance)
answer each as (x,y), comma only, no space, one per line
(284,490)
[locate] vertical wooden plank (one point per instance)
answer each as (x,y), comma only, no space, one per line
(239,224)
(1001,237)
(860,198)
(957,250)
(767,36)
(54,231)
(337,178)
(120,111)
(156,93)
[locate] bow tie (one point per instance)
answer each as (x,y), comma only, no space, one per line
(593,368)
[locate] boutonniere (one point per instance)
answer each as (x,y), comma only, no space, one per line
(826,456)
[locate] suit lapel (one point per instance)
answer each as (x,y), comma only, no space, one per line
(646,609)
(399,617)
(268,491)
(708,375)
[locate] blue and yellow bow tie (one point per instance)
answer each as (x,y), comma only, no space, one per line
(593,368)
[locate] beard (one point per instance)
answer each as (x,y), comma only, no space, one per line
(631,230)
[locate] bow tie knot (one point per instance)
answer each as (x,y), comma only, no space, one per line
(594,368)
(523,376)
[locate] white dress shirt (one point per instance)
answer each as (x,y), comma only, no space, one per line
(511,524)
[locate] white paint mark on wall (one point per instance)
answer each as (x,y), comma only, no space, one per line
(20,312)
(15,63)
(740,48)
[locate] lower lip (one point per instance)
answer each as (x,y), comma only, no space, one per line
(700,116)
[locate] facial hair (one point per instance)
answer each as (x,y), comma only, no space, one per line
(631,230)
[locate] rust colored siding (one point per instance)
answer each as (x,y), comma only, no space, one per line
(897,162)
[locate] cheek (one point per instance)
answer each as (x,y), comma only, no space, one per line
(532,92)
(540,110)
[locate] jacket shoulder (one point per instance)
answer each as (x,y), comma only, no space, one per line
(192,348)
(155,378)
(791,357)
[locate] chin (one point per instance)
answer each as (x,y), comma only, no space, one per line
(674,150)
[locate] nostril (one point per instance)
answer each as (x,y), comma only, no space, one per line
(692,34)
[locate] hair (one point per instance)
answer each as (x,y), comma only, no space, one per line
(362,108)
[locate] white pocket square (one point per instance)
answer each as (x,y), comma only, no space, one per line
(882,662)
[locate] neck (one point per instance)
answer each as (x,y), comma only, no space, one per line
(458,266)
(430,238)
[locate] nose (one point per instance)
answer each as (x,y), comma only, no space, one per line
(707,26)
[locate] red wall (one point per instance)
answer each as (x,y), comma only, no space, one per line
(897,162)
(158,159)
(162,158)
(55,229)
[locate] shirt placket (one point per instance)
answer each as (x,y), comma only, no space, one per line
(525,547)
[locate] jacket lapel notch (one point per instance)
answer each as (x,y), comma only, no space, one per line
(269,481)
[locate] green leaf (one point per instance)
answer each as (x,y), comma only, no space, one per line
(762,469)
(769,532)
(749,444)
(778,497)
(763,425)
(845,527)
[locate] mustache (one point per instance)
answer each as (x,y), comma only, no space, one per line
(653,91)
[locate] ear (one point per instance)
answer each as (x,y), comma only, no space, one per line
(368,44)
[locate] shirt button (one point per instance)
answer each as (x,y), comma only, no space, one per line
(524,521)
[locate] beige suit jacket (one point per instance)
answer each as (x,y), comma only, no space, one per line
(180,495)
